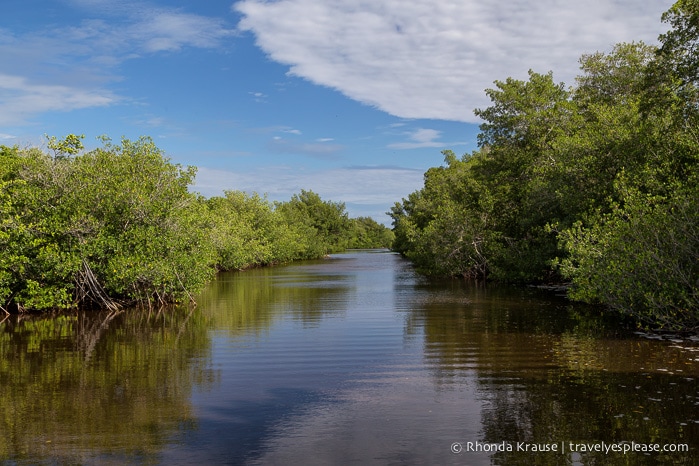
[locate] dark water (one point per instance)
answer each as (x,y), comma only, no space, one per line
(350,360)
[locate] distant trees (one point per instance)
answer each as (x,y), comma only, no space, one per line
(248,232)
(324,225)
(367,233)
(597,184)
(118,225)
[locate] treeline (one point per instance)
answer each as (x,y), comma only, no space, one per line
(118,225)
(594,185)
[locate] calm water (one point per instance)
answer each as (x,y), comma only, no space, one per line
(350,360)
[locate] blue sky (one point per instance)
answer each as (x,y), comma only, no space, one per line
(353,99)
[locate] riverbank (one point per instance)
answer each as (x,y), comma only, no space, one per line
(117,226)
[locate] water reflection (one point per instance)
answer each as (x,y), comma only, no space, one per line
(548,372)
(98,387)
(253,300)
(352,359)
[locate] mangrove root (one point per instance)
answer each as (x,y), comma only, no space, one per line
(89,290)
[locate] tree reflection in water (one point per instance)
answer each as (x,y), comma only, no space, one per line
(353,359)
(549,372)
(98,386)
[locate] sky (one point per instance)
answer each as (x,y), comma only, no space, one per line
(352,99)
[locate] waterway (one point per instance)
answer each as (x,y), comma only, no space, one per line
(354,359)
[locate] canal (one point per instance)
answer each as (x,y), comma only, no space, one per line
(354,359)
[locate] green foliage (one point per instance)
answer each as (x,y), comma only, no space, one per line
(679,53)
(138,226)
(596,184)
(486,215)
(324,225)
(519,138)
(70,145)
(247,231)
(367,233)
(524,114)
(641,259)
(118,225)
(446,227)
(35,269)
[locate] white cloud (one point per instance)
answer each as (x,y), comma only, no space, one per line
(20,98)
(421,137)
(424,135)
(434,58)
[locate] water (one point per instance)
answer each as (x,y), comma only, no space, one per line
(350,360)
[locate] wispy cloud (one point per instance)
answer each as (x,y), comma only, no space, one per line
(144,27)
(259,97)
(20,98)
(434,58)
(322,150)
(72,67)
(164,30)
(422,137)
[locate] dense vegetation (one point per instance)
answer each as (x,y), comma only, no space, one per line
(595,184)
(117,225)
